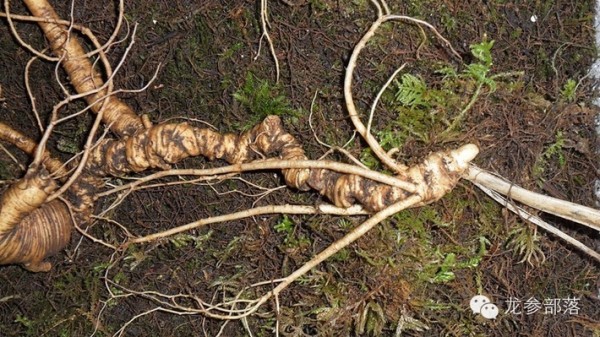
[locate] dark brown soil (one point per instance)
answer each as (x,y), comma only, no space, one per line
(206,52)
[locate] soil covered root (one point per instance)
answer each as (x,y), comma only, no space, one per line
(164,144)
(31,229)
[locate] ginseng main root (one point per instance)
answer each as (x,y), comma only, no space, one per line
(47,226)
(32,228)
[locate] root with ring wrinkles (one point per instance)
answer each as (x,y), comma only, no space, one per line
(165,144)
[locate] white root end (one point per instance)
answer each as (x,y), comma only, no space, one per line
(464,155)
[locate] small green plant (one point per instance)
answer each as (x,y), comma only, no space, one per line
(449,265)
(420,110)
(483,52)
(367,157)
(287,226)
(23,320)
(184,240)
(445,273)
(437,110)
(411,91)
(478,74)
(569,90)
(479,70)
(230,52)
(555,150)
(341,256)
(134,258)
(262,99)
(525,242)
(232,247)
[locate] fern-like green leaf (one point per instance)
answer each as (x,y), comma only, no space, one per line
(411,91)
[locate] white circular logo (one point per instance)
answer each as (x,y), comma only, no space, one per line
(489,311)
(477,302)
(480,304)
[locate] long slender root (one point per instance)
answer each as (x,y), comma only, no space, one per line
(28,146)
(117,115)
(165,144)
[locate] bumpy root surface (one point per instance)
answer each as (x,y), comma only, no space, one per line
(31,230)
(434,177)
(164,144)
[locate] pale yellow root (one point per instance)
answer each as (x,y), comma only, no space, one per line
(28,146)
(30,229)
(117,115)
(165,144)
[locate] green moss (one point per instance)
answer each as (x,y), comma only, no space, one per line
(435,112)
(341,256)
(568,92)
(184,240)
(193,53)
(552,155)
(292,239)
(263,99)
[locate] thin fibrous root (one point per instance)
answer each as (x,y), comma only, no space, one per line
(28,146)
(117,115)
